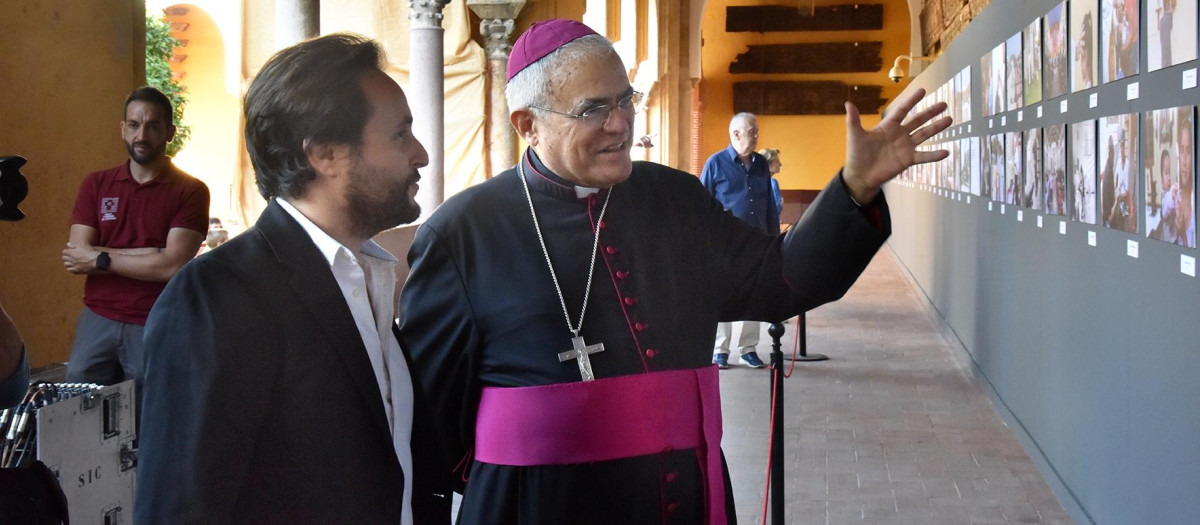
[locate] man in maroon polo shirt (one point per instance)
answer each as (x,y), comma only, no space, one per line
(133,227)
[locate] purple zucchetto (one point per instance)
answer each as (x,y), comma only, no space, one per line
(541,39)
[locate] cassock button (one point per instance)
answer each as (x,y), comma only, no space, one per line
(650,352)
(673,506)
(629,301)
(640,326)
(671,476)
(610,250)
(622,275)
(603,225)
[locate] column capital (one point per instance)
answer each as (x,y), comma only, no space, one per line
(496,23)
(496,33)
(426,13)
(496,9)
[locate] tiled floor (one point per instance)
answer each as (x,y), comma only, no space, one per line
(892,430)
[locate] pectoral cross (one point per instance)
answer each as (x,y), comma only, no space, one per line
(581,352)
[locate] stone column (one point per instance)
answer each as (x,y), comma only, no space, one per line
(296,20)
(496,25)
(426,96)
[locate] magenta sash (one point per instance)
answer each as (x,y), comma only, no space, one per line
(607,419)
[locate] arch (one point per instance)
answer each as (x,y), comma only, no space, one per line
(202,65)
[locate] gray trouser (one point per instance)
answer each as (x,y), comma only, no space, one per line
(105,351)
(747,339)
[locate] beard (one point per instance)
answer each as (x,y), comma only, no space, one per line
(379,202)
(145,158)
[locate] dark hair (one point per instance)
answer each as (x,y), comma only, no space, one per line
(306,94)
(152,95)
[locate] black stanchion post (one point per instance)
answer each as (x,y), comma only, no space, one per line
(776,453)
(804,355)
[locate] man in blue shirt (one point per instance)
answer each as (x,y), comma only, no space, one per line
(740,179)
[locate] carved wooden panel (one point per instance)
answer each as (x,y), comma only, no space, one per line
(950,10)
(804,98)
(767,18)
(825,57)
(931,24)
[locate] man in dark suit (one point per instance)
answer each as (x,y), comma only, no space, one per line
(276,390)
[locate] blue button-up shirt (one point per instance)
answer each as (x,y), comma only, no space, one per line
(746,192)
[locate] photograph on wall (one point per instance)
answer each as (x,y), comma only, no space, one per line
(985,167)
(1169,175)
(1054,170)
(964,165)
(992,77)
(1031,193)
(1170,32)
(1118,39)
(1014,179)
(976,183)
(1015,86)
(995,167)
(964,95)
(946,167)
(1054,44)
(1033,62)
(1119,172)
(1083,172)
(1084,20)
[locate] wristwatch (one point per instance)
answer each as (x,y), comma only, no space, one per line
(102,261)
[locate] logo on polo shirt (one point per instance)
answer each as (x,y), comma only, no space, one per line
(108,209)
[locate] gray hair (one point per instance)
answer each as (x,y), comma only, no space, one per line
(739,121)
(531,87)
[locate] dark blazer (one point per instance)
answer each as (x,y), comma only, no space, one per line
(260,404)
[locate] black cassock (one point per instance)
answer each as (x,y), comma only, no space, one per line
(479,309)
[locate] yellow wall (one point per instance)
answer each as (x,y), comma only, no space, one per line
(812,148)
(65,69)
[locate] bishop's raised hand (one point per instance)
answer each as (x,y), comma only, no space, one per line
(879,154)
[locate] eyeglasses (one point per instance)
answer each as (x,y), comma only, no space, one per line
(597,116)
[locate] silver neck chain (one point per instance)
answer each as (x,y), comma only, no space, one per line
(591,266)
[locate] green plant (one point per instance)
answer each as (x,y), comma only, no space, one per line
(160,46)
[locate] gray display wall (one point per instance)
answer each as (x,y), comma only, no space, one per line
(1092,350)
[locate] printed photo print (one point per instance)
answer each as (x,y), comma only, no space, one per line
(1170,32)
(993,82)
(1083,172)
(1084,19)
(1118,39)
(945,166)
(994,167)
(1033,62)
(964,165)
(976,182)
(1119,172)
(1014,177)
(963,84)
(1056,71)
(1170,179)
(1016,80)
(1031,193)
(1054,170)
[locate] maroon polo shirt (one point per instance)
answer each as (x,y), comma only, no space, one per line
(132,215)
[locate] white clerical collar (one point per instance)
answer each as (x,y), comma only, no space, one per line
(328,246)
(582,192)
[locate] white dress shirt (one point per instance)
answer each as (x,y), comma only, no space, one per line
(368,283)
